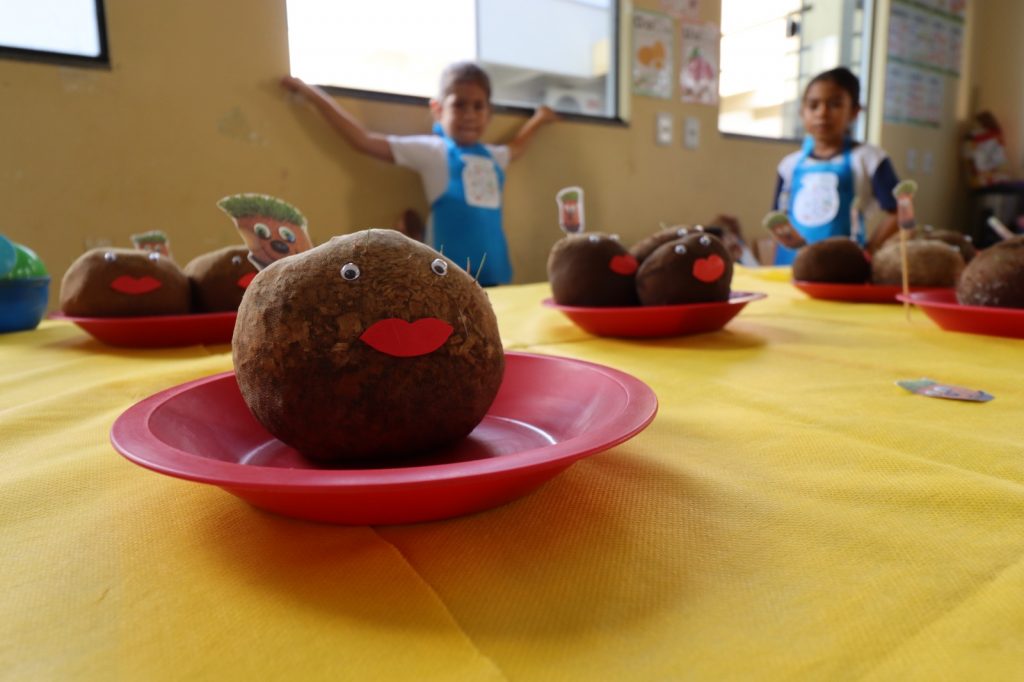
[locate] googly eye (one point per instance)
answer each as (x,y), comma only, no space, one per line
(110,256)
(682,232)
(350,272)
(614,237)
(679,249)
(236,260)
(439,267)
(699,228)
(261,230)
(705,241)
(287,233)
(594,239)
(968,239)
(154,255)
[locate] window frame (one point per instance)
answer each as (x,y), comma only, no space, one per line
(865,64)
(620,118)
(102,60)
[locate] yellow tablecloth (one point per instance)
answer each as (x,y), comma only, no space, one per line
(790,514)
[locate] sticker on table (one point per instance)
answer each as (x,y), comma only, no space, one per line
(934,389)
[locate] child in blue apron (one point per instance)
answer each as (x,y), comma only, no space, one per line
(828,186)
(462,177)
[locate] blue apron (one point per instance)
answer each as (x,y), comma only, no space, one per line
(821,201)
(466,219)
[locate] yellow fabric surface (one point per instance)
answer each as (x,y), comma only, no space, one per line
(790,514)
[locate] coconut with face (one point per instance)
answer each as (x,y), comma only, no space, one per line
(592,270)
(114,282)
(995,277)
(834,259)
(931,263)
(646,246)
(367,348)
(219,278)
(696,268)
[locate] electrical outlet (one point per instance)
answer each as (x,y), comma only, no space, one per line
(691,132)
(911,160)
(664,129)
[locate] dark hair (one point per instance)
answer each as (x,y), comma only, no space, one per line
(464,72)
(843,78)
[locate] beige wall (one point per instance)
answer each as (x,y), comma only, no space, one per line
(997,70)
(191,111)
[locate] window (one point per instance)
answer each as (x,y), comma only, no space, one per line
(63,30)
(772,48)
(562,53)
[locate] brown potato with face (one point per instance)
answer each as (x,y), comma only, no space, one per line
(114,282)
(592,270)
(696,268)
(219,279)
(367,348)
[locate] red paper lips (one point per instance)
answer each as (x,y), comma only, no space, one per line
(407,339)
(624,264)
(135,286)
(709,269)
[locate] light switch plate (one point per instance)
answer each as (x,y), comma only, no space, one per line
(664,129)
(691,132)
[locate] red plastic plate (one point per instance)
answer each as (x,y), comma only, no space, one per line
(158,331)
(942,307)
(854,293)
(549,412)
(657,320)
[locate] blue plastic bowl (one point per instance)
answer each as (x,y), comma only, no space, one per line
(23,303)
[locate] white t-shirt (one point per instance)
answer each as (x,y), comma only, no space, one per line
(428,156)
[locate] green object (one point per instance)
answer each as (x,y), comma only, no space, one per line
(151,237)
(8,255)
(775,218)
(241,205)
(26,264)
(905,188)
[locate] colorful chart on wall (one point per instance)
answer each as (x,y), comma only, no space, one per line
(652,54)
(698,71)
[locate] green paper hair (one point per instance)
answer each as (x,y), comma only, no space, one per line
(241,205)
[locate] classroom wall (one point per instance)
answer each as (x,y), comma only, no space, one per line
(997,71)
(191,111)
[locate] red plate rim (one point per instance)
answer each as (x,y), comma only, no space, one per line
(941,299)
(131,437)
(143,319)
(735,298)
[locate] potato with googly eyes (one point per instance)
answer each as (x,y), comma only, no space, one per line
(592,270)
(116,282)
(366,349)
(696,268)
(219,279)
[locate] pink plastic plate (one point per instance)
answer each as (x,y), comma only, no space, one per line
(942,307)
(854,293)
(158,331)
(549,412)
(657,320)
